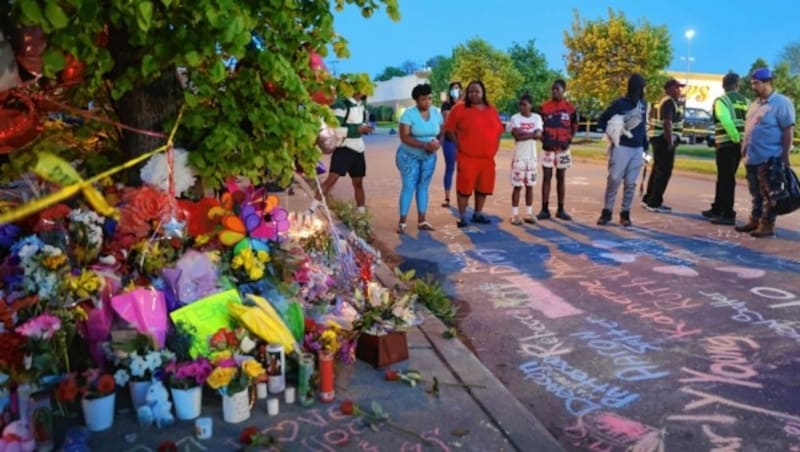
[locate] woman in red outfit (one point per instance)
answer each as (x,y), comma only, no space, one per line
(476,128)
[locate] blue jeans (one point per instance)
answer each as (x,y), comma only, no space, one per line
(757,184)
(416,170)
(449,151)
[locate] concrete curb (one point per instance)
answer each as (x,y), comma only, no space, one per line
(518,425)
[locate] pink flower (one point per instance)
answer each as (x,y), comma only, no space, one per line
(41,327)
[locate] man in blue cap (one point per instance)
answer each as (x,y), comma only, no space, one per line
(768,133)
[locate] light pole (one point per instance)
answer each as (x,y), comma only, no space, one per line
(689,35)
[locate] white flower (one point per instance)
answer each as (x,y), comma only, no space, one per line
(167,356)
(121,377)
(247,345)
(153,360)
(138,366)
(27,251)
(156,173)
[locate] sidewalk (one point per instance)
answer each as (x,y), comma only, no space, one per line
(474,419)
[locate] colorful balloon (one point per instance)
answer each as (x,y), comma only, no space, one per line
(19,124)
(29,45)
(73,71)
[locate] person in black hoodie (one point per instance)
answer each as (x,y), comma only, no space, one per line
(625,160)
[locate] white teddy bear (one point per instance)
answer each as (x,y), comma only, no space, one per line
(157,408)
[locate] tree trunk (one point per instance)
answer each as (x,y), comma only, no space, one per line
(148,107)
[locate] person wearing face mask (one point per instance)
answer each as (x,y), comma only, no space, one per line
(454,95)
(476,128)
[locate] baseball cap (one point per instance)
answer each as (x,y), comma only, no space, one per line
(761,74)
(672,82)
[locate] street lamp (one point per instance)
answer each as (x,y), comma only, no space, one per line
(689,35)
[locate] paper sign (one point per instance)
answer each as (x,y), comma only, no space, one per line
(207,315)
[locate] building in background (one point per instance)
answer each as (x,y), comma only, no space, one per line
(701,89)
(396,93)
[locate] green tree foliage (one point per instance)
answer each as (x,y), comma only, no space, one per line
(389,72)
(230,125)
(440,78)
(603,53)
(791,56)
(434,61)
(478,60)
(408,66)
(536,76)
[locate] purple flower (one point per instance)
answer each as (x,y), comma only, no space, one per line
(8,235)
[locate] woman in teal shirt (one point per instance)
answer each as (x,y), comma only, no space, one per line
(420,129)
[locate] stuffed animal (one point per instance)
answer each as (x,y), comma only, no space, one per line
(157,408)
(17,437)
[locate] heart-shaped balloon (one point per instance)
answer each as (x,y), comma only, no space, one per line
(29,45)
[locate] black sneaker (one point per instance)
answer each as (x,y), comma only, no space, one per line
(480,218)
(659,209)
(562,214)
(710,213)
(462,224)
(725,220)
(543,215)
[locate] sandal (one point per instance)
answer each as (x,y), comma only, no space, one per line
(425,226)
(401,228)
(446,203)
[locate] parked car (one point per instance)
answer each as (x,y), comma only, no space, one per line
(698,126)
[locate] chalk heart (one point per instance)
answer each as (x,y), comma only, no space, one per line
(677,270)
(622,258)
(285,432)
(742,272)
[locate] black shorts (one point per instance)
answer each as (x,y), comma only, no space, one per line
(347,161)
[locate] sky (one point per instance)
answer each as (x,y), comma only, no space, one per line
(728,34)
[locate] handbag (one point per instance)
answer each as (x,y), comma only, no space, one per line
(790,203)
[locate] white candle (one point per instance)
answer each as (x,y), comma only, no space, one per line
(288,396)
(261,391)
(272,406)
(204,428)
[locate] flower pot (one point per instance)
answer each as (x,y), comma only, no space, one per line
(187,402)
(236,407)
(138,393)
(384,350)
(99,413)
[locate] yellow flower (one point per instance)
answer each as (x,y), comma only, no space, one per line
(237,262)
(253,368)
(214,256)
(220,356)
(221,376)
(263,256)
(54,262)
(256,273)
(202,239)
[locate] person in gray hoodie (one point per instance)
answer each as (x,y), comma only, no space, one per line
(625,160)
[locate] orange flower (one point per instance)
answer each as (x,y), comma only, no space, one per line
(142,206)
(105,384)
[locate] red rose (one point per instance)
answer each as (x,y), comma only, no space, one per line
(142,208)
(246,437)
(347,407)
(167,446)
(392,375)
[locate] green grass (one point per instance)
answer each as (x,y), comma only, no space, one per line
(697,158)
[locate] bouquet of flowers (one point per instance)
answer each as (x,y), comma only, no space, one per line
(40,357)
(330,338)
(138,360)
(89,384)
(86,235)
(187,374)
(43,267)
(232,370)
(382,310)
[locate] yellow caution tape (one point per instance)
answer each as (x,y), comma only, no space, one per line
(56,170)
